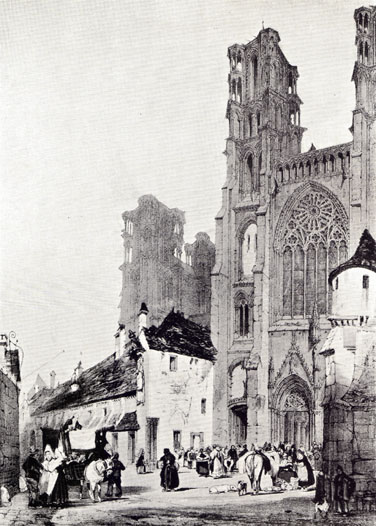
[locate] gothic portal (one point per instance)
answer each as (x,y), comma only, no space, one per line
(287,220)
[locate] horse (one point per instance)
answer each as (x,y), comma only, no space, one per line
(255,465)
(94,475)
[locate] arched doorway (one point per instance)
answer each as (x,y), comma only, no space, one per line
(238,415)
(237,403)
(296,420)
(293,412)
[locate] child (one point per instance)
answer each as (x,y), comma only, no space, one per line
(115,477)
(321,504)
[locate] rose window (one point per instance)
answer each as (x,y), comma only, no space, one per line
(312,242)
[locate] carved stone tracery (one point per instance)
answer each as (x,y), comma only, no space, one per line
(315,219)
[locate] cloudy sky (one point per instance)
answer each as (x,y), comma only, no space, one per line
(104,101)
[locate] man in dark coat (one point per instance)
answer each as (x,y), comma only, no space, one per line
(114,479)
(169,473)
(33,469)
(344,487)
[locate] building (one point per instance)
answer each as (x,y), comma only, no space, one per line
(159,269)
(350,385)
(9,414)
(287,220)
(155,391)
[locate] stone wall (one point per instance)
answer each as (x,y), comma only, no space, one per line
(175,398)
(9,434)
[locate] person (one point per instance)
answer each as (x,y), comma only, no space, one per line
(286,471)
(344,487)
(243,450)
(140,464)
(191,458)
(320,500)
(231,460)
(33,470)
(52,484)
(304,470)
(114,478)
(202,463)
(169,473)
(217,462)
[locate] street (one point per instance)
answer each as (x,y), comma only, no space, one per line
(144,503)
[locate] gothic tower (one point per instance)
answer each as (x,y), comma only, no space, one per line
(287,220)
(159,269)
(363,184)
(264,124)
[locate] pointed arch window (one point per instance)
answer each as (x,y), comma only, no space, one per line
(250,170)
(239,91)
(361,51)
(239,61)
(294,172)
(248,248)
(243,317)
(325,164)
(233,89)
(258,177)
(366,52)
(365,24)
(312,243)
(255,75)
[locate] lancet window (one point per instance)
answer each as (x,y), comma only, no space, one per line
(243,317)
(312,243)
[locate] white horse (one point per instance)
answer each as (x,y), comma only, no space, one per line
(94,475)
(255,465)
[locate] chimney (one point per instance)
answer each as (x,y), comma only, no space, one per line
(119,341)
(79,369)
(142,318)
(52,379)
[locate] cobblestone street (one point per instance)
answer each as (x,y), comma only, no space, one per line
(143,503)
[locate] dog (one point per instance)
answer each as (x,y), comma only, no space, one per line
(242,488)
(224,488)
(94,475)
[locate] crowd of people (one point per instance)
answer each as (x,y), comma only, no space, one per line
(295,463)
(46,479)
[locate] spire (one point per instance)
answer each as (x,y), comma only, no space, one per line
(365,256)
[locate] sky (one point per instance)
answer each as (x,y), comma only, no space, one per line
(104,101)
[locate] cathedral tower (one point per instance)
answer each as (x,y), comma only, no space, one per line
(287,220)
(363,183)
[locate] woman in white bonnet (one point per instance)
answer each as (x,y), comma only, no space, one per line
(52,484)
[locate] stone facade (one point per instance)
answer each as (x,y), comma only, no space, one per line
(287,220)
(159,269)
(9,413)
(350,380)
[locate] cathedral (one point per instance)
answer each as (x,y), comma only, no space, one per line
(161,270)
(287,220)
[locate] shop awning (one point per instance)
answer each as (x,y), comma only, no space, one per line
(128,422)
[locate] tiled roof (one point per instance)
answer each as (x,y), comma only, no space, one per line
(365,256)
(179,335)
(110,378)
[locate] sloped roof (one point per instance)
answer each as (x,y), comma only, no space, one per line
(365,256)
(363,389)
(179,335)
(110,378)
